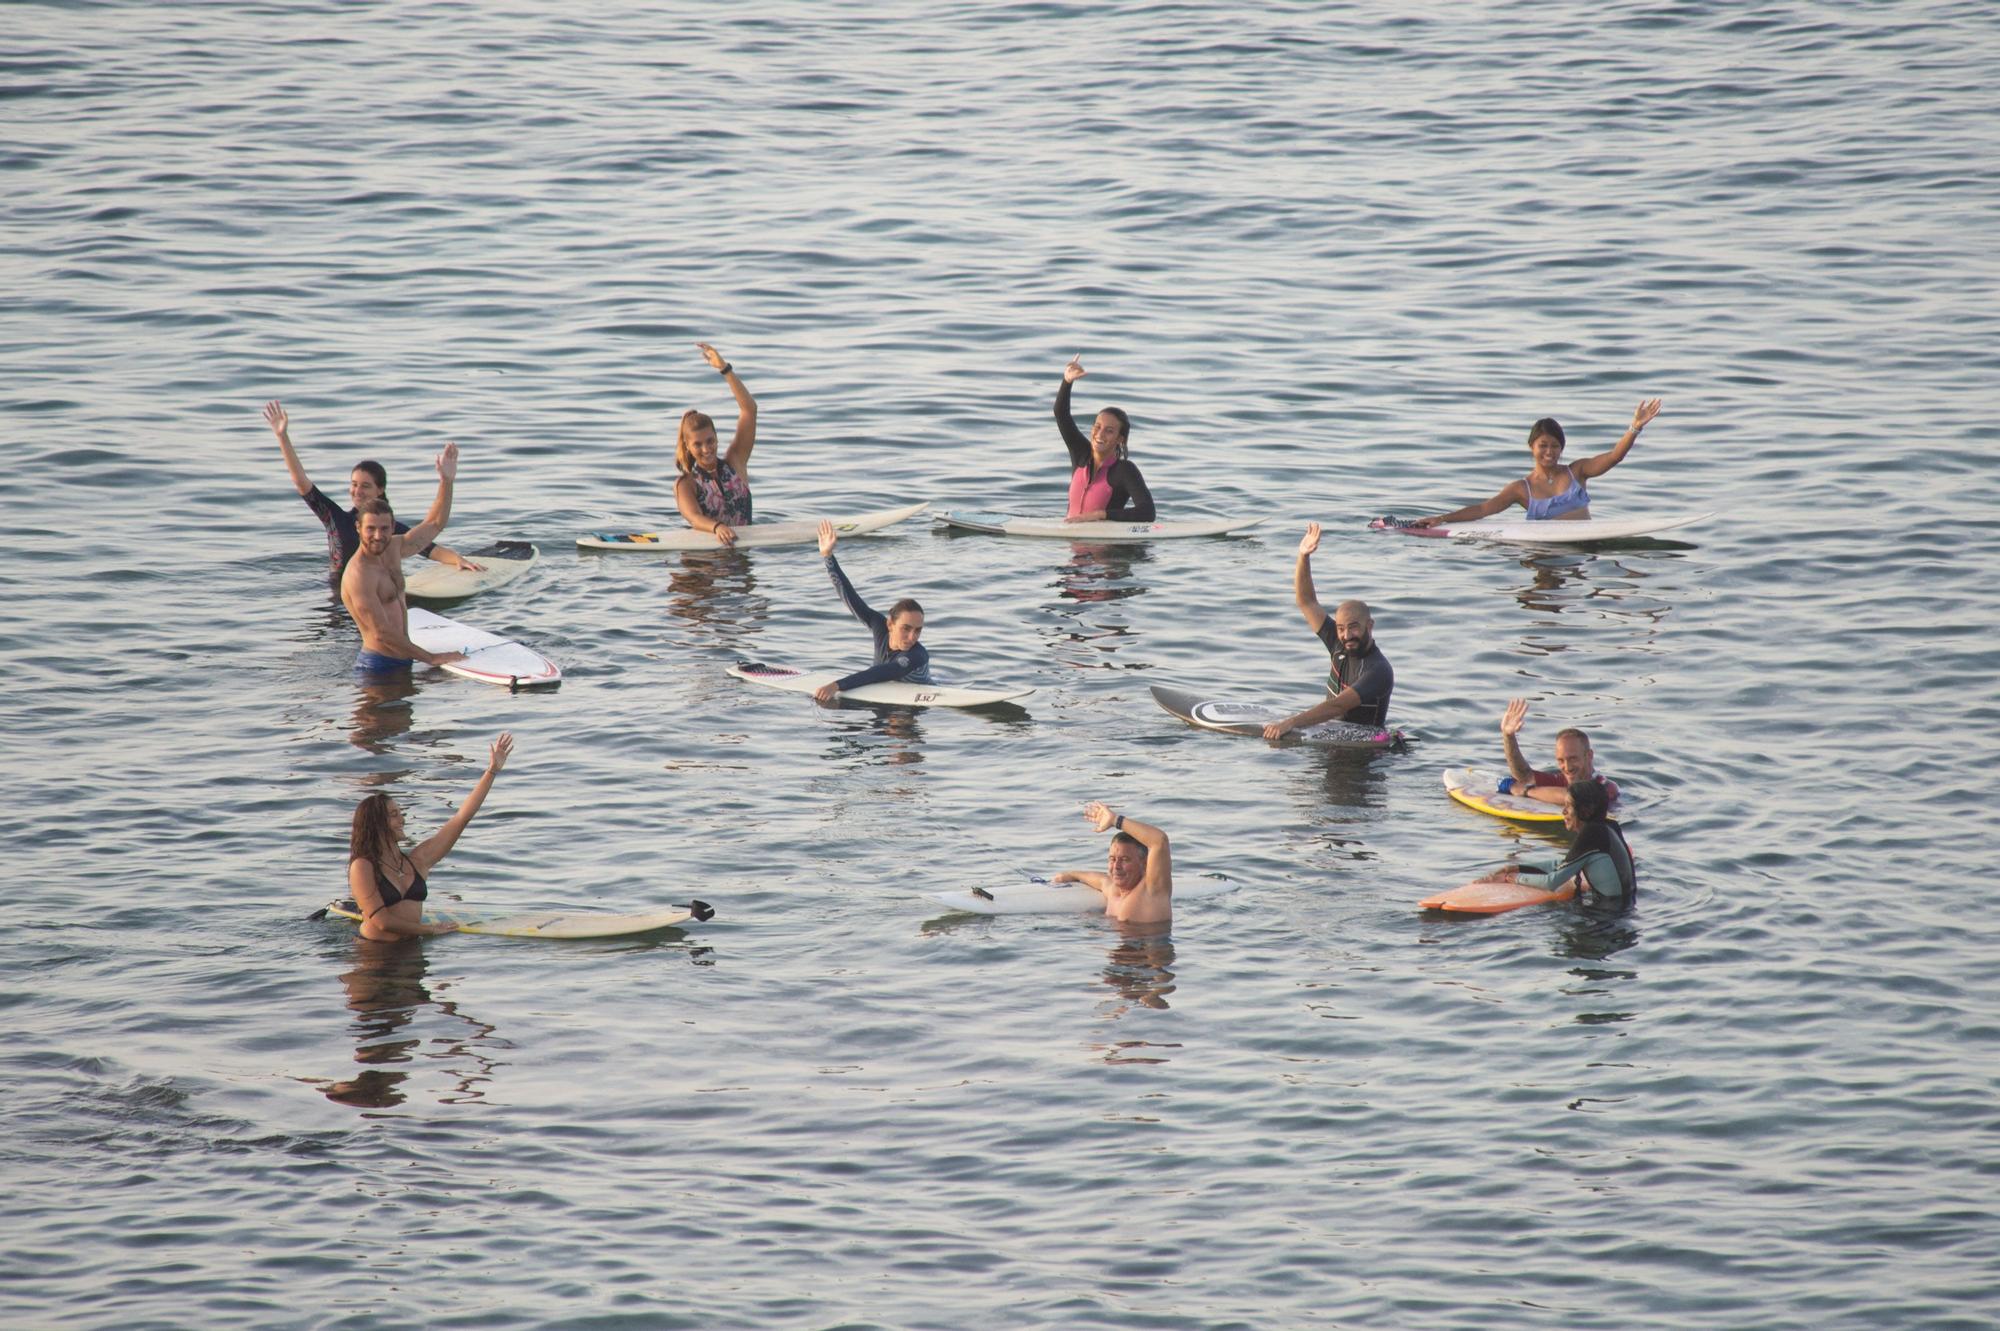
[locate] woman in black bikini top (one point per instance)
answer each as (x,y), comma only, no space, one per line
(388,882)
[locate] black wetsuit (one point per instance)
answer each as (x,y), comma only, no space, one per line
(1601,855)
(343,529)
(1367,672)
(913,665)
(1131,501)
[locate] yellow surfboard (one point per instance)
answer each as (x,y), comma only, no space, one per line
(1478,788)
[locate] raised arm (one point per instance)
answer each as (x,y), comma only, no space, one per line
(1514,492)
(1603,462)
(1073,438)
(1159,854)
(426,532)
(274,413)
(1302,580)
(1510,730)
(848,596)
(436,846)
(738,456)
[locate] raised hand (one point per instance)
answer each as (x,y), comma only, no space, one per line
(1516,716)
(712,356)
(274,413)
(447,463)
(1100,815)
(502,747)
(1646,411)
(827,537)
(1310,541)
(1074,370)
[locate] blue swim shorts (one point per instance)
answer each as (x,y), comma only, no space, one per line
(375,663)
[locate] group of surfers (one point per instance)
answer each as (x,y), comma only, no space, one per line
(366,546)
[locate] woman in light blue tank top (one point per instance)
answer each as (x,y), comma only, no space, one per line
(1552,491)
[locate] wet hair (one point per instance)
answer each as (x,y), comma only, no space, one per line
(377,507)
(1127,839)
(691,420)
(1588,799)
(1124,429)
(1575,734)
(906,606)
(374,469)
(1546,426)
(370,835)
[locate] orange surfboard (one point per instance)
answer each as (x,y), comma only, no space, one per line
(1490,896)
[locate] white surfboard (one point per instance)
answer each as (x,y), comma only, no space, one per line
(1059,899)
(805,531)
(896,691)
(504,561)
(1550,531)
(1241,718)
(1007,524)
(544,924)
(489,658)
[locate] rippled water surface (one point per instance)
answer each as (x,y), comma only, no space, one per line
(1333,259)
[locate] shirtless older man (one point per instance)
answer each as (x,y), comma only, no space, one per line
(1138,886)
(1574,762)
(372,586)
(1360,681)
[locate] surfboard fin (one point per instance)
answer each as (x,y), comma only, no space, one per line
(984,895)
(701,910)
(319,914)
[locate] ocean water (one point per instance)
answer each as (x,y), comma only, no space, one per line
(1333,259)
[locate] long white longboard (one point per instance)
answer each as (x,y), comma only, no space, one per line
(489,658)
(1007,524)
(1551,531)
(1240,718)
(805,531)
(1059,899)
(545,924)
(888,691)
(504,561)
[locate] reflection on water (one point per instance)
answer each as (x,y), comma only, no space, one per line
(715,592)
(1139,968)
(381,716)
(1101,572)
(891,736)
(1565,582)
(386,992)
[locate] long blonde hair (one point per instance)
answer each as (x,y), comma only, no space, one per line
(691,420)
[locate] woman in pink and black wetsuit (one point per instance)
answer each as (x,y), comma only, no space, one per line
(713,492)
(1551,490)
(1104,486)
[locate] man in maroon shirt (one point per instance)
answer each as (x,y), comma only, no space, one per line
(1574,762)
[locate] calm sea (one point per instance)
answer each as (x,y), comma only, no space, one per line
(1333,259)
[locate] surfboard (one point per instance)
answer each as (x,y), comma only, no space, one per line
(489,658)
(895,691)
(1490,896)
(548,924)
(1059,899)
(504,561)
(1554,531)
(1007,524)
(1241,718)
(1478,788)
(805,531)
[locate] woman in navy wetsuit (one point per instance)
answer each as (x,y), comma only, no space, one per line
(713,492)
(1552,490)
(1104,485)
(386,881)
(898,654)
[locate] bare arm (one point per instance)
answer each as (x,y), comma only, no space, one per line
(439,843)
(684,500)
(1510,729)
(1514,493)
(1159,854)
(1302,580)
(1084,876)
(274,412)
(1326,709)
(376,622)
(738,456)
(1603,462)
(425,532)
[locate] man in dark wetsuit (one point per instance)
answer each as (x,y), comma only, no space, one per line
(1359,684)
(1104,484)
(898,654)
